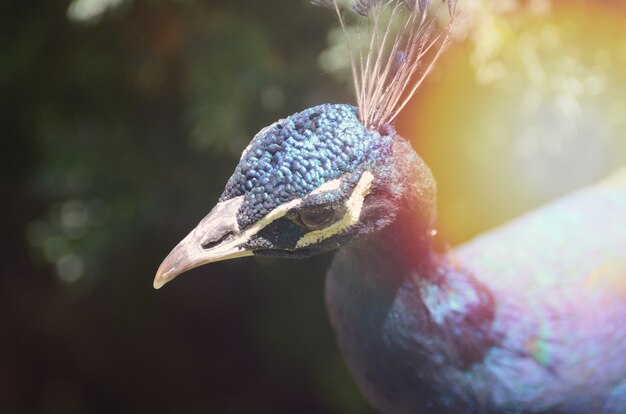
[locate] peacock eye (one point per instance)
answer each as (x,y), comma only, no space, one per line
(315,219)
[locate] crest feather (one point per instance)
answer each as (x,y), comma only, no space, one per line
(391,62)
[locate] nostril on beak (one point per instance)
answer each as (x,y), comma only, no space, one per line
(212,243)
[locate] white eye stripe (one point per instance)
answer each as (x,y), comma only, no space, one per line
(272,216)
(328,186)
(353,207)
(283,209)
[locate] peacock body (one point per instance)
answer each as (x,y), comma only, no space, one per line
(526,318)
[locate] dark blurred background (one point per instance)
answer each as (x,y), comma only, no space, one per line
(121,122)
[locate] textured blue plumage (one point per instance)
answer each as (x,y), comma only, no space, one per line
(298,154)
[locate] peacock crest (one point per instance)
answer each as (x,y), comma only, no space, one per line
(394,50)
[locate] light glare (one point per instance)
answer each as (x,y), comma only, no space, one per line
(90,10)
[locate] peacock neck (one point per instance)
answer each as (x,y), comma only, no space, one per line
(398,307)
(409,274)
(423,295)
(405,243)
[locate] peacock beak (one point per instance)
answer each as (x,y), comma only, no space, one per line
(216,237)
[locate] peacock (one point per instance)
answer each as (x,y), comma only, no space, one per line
(526,318)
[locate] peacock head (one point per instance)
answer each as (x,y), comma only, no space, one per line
(305,185)
(330,174)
